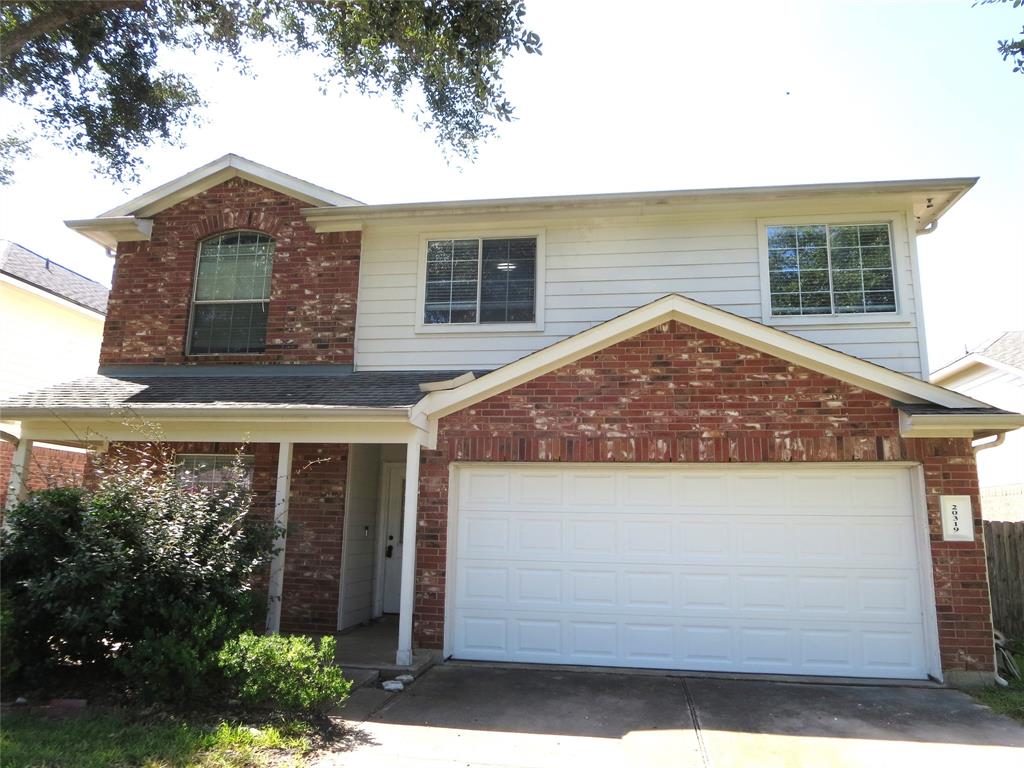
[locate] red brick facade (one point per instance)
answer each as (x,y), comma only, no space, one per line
(312,309)
(677,394)
(48,468)
(312,566)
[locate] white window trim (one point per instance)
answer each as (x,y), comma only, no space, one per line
(485,328)
(195,287)
(901,267)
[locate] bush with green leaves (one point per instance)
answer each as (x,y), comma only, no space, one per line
(10,666)
(140,573)
(284,671)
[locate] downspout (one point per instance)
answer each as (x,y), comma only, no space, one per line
(978,449)
(985,446)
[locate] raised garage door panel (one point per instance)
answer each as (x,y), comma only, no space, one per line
(781,570)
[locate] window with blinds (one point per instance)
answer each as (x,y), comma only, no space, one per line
(481,281)
(831,269)
(232,291)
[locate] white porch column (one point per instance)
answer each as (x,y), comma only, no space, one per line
(281,494)
(408,592)
(17,486)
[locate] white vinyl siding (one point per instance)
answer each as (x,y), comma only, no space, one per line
(598,268)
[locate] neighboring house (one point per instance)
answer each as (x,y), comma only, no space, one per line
(51,325)
(994,373)
(674,430)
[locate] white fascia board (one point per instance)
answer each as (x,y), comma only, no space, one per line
(99,428)
(957,367)
(869,376)
(108,231)
(220,170)
(921,191)
(327,224)
(951,369)
(959,425)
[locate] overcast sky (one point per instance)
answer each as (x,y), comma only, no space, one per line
(635,95)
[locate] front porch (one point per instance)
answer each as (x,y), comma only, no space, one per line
(342,485)
(373,647)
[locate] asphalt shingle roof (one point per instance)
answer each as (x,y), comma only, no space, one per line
(914,409)
(363,389)
(31,268)
(1007,349)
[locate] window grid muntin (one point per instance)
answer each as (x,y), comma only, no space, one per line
(188,466)
(777,299)
(251,243)
(479,241)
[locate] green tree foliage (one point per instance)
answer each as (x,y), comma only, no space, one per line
(91,71)
(141,575)
(1012,49)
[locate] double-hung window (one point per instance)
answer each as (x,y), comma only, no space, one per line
(213,471)
(481,281)
(232,290)
(831,269)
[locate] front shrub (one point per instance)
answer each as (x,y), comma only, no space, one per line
(179,666)
(38,535)
(141,574)
(287,672)
(9,663)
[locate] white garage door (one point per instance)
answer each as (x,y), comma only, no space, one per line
(798,570)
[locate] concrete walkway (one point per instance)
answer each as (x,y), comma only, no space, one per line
(474,715)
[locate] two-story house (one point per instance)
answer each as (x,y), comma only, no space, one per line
(684,429)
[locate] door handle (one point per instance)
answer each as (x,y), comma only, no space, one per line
(389,550)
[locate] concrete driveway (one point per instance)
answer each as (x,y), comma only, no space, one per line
(476,715)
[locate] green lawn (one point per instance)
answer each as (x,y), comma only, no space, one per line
(1006,701)
(117,741)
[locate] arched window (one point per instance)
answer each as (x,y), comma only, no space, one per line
(232,289)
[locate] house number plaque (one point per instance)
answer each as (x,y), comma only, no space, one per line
(957,520)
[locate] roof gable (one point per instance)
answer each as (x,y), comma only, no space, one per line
(816,357)
(220,170)
(132,220)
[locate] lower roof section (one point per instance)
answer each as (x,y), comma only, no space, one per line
(177,392)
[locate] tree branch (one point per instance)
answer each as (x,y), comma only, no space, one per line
(57,16)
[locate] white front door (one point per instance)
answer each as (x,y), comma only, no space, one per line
(808,570)
(391,551)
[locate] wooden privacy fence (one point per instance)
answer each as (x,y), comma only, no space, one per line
(1004,548)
